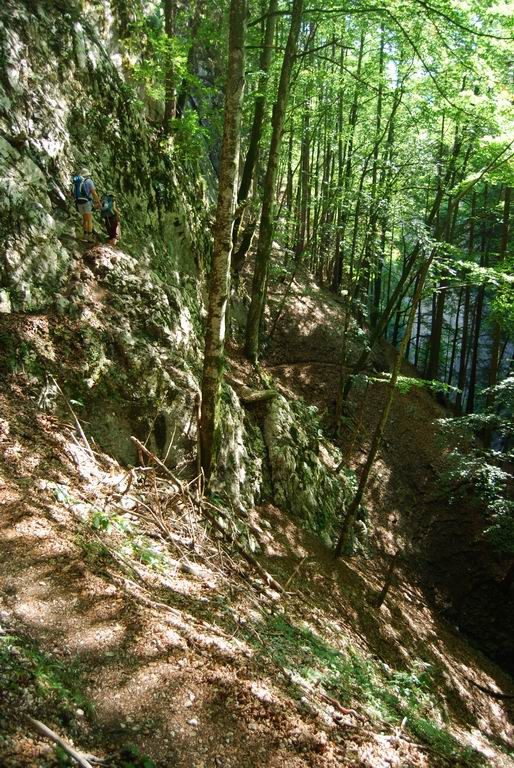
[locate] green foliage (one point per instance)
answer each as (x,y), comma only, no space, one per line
(445,744)
(486,471)
(405,384)
(63,757)
(132,757)
(387,695)
(108,521)
(146,551)
(502,305)
(54,683)
(189,138)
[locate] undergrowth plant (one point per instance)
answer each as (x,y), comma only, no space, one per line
(388,696)
(475,467)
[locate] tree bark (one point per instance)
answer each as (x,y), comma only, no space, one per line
(461,381)
(494,365)
(191,57)
(352,121)
(170,85)
(263,255)
(220,269)
(258,115)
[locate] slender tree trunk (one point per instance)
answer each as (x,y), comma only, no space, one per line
(352,120)
(461,381)
(338,260)
(263,255)
(351,514)
(418,335)
(440,300)
(258,115)
(494,364)
(479,302)
(220,269)
(170,83)
(303,183)
(455,337)
(370,246)
(191,57)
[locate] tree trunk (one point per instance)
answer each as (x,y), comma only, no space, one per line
(479,302)
(461,381)
(258,115)
(494,364)
(170,84)
(351,515)
(352,120)
(263,255)
(338,260)
(455,337)
(220,269)
(191,56)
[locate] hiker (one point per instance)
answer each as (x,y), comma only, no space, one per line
(85,195)
(111,217)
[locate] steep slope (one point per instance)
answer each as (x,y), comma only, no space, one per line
(132,610)
(123,624)
(438,534)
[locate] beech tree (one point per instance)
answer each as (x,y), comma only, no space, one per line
(266,225)
(219,284)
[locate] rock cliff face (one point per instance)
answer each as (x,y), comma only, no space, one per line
(63,105)
(120,329)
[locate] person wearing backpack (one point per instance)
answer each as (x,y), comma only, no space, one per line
(111,217)
(85,196)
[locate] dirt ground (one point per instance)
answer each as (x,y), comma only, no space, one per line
(440,539)
(145,634)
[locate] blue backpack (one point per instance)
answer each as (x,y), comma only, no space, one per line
(107,210)
(79,192)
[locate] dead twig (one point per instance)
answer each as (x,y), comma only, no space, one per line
(85,761)
(295,572)
(75,418)
(263,573)
(159,463)
(268,578)
(339,707)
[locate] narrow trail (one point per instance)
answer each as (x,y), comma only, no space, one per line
(187,666)
(115,637)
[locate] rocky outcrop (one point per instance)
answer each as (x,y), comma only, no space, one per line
(63,105)
(120,330)
(305,471)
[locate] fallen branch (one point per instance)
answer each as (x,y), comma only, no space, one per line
(159,463)
(339,707)
(247,395)
(268,578)
(75,418)
(489,691)
(295,572)
(314,690)
(256,396)
(85,761)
